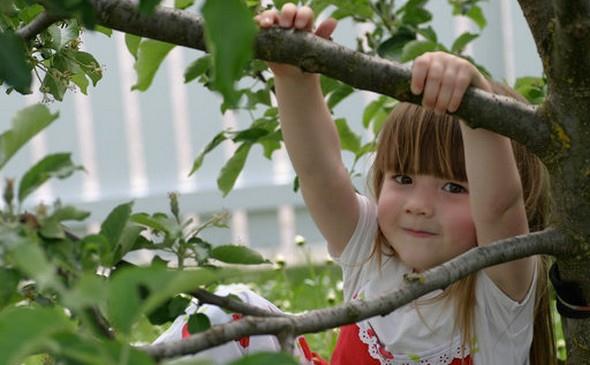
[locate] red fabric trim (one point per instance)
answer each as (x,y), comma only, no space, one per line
(350,350)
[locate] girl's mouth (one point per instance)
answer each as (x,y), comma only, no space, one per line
(418,233)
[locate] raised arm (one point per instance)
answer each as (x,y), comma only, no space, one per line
(495,189)
(311,137)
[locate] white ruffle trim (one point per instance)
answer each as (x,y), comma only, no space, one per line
(443,355)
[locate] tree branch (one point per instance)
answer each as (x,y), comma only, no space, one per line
(227,302)
(549,241)
(37,25)
(502,115)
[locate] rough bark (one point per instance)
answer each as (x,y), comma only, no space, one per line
(562,34)
(539,15)
(546,242)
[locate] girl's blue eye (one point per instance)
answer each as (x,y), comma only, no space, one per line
(454,188)
(403,179)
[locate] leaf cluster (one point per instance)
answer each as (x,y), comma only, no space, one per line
(75,298)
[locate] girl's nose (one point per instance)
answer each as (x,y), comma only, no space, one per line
(419,206)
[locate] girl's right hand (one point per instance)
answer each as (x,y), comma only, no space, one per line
(298,18)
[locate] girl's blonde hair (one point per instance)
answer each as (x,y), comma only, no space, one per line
(415,140)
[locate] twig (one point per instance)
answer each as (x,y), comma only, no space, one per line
(549,241)
(37,25)
(236,306)
(287,340)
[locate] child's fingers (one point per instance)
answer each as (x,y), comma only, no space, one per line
(304,18)
(326,28)
(419,73)
(267,18)
(287,15)
(447,87)
(433,83)
(462,82)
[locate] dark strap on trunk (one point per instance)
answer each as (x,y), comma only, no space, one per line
(570,301)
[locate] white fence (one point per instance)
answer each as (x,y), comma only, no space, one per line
(140,146)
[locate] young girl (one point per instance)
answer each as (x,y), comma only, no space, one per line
(440,188)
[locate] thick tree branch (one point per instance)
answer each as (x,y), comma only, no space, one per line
(37,25)
(549,241)
(539,15)
(314,54)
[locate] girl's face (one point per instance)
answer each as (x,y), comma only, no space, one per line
(426,219)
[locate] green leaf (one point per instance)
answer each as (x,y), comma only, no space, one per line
(104,30)
(113,226)
(9,279)
(198,322)
(229,32)
(476,14)
(24,331)
(197,68)
(250,135)
(58,165)
(372,109)
(90,290)
(54,84)
(348,139)
(14,68)
(271,143)
(89,351)
(534,89)
(51,229)
(183,4)
(148,6)
(149,221)
(428,33)
(414,49)
(462,41)
(346,8)
(150,55)
(69,213)
(339,94)
(30,260)
(126,242)
(168,311)
(25,125)
(231,170)
(95,250)
(416,16)
(132,41)
(392,47)
(266,358)
(233,254)
(81,81)
(138,290)
(89,65)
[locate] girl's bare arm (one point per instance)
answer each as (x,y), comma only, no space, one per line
(311,138)
(495,189)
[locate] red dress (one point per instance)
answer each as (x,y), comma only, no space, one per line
(350,350)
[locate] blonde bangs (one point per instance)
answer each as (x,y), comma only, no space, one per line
(417,141)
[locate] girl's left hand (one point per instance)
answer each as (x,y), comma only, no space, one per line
(444,78)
